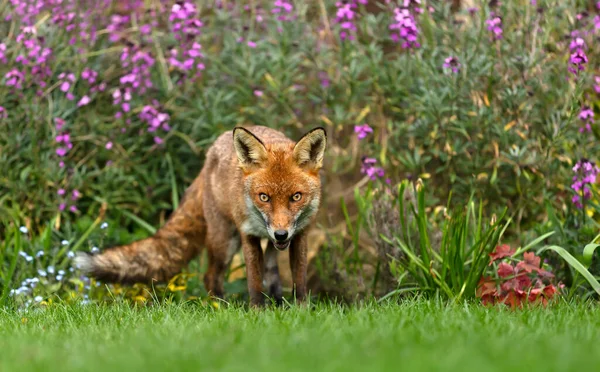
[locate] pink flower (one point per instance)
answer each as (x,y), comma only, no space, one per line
(61,191)
(452,64)
(108,145)
(258,93)
(251,44)
(75,195)
(362,130)
(577,61)
(14,78)
(66,138)
(83,101)
(145,29)
(158,140)
(59,123)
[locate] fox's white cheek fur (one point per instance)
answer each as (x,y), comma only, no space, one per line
(255,223)
(304,216)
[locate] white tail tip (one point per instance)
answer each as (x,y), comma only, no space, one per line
(83,262)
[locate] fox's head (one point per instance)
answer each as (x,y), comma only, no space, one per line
(282,188)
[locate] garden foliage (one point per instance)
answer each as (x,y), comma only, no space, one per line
(107,108)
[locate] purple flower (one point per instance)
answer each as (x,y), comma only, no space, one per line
(282,9)
(89,75)
(83,101)
(75,194)
(368,167)
(577,61)
(258,93)
(324,79)
(60,123)
(362,130)
(577,43)
(185,26)
(67,81)
(587,116)
(452,64)
(2,51)
(3,113)
(494,24)
(154,118)
(117,26)
(585,175)
(184,20)
(146,29)
(345,17)
(137,64)
(404,28)
(251,44)
(597,85)
(14,78)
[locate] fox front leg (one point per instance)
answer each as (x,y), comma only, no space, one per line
(253,256)
(299,265)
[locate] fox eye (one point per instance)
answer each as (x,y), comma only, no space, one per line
(264,197)
(296,197)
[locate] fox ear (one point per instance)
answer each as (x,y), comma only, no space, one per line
(310,149)
(249,149)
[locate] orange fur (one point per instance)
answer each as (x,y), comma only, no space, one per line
(256,183)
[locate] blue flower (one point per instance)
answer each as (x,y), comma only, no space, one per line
(59,278)
(95,250)
(104,225)
(38,298)
(50,269)
(27,257)
(42,272)
(39,254)
(70,254)
(65,242)
(23,229)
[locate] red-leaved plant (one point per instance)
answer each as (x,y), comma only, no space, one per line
(516,282)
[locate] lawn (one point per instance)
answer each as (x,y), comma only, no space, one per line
(416,335)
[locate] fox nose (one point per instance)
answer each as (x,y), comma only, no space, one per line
(280,235)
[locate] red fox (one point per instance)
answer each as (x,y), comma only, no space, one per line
(256,183)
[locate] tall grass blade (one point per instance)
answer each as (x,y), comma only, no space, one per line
(574,264)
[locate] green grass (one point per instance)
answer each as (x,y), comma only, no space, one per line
(415,335)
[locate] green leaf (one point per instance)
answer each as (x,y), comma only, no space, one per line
(574,264)
(534,242)
(588,253)
(174,193)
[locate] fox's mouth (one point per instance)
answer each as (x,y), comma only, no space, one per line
(281,246)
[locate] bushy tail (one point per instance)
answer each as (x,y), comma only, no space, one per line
(159,257)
